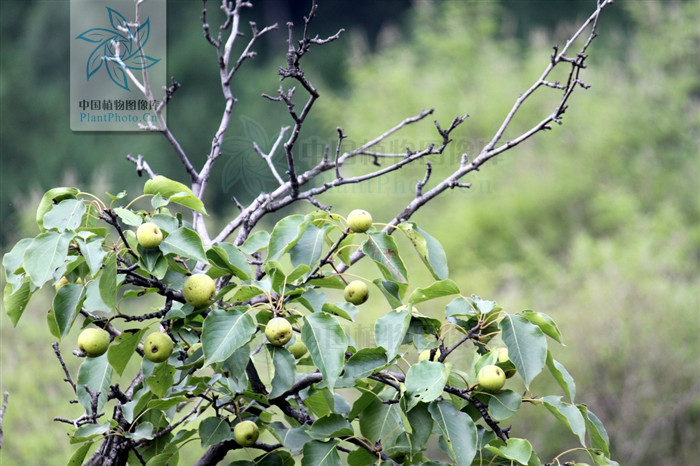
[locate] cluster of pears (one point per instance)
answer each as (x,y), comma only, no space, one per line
(278,332)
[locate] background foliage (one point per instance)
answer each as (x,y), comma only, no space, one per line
(595,223)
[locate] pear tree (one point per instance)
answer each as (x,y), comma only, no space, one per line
(252,344)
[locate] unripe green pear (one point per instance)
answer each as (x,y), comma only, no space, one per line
(298,349)
(425,355)
(158,347)
(505,363)
(246,433)
(59,284)
(199,290)
(278,331)
(149,235)
(491,378)
(359,221)
(191,351)
(356,292)
(93,342)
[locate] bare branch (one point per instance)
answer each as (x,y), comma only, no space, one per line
(141,165)
(63,365)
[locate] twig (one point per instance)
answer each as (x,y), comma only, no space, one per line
(68,378)
(141,165)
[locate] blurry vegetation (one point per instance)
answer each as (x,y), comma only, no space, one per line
(596,222)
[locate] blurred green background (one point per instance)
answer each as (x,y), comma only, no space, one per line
(595,222)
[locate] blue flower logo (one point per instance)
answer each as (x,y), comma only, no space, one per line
(121,38)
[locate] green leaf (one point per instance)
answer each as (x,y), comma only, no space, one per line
(545,323)
(144,431)
(459,307)
(458,431)
(568,414)
(12,261)
(429,249)
(108,281)
(96,373)
(326,342)
(596,431)
(15,303)
(184,242)
(128,217)
(224,332)
(79,455)
(51,197)
(516,449)
(256,242)
(318,453)
(390,330)
(232,259)
(345,310)
(274,458)
(382,249)
(93,253)
(213,430)
(562,376)
(333,425)
(527,346)
(293,438)
(361,457)
(285,370)
(66,215)
(435,290)
(122,349)
(379,421)
(504,404)
(391,291)
(46,253)
(66,305)
(421,423)
(308,248)
(161,379)
(285,235)
(175,192)
(425,382)
(363,363)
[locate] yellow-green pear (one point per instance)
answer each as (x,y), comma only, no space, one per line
(149,235)
(491,378)
(199,290)
(191,351)
(298,349)
(359,220)
(505,363)
(356,292)
(59,284)
(246,433)
(425,355)
(158,347)
(278,331)
(93,342)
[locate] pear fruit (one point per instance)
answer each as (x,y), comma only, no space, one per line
(505,363)
(246,433)
(491,378)
(425,355)
(199,290)
(59,284)
(298,349)
(278,331)
(93,342)
(356,292)
(191,351)
(158,347)
(149,235)
(359,221)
